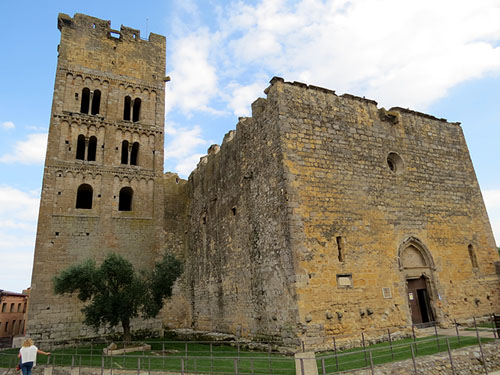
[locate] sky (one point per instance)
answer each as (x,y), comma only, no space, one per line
(440,57)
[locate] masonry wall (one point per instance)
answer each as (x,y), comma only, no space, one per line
(239,270)
(92,142)
(352,216)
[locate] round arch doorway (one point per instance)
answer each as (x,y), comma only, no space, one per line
(417,267)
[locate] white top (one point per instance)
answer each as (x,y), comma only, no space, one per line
(28,354)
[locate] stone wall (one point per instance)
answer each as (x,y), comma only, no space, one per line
(328,206)
(240,271)
(111,149)
(369,185)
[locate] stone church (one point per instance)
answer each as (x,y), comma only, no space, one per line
(321,215)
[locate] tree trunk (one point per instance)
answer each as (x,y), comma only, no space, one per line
(126,330)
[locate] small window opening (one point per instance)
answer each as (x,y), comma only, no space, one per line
(18,307)
(340,248)
(125,202)
(125,152)
(93,25)
(96,102)
(12,307)
(204,219)
(80,147)
(3,307)
(126,108)
(472,256)
(395,163)
(233,210)
(84,196)
(137,109)
(92,148)
(84,107)
(134,154)
(57,233)
(76,96)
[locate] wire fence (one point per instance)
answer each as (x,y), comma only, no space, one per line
(223,357)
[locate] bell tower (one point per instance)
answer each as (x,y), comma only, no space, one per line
(101,187)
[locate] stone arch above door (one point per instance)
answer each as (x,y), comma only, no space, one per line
(414,255)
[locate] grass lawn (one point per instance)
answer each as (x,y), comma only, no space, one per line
(382,353)
(223,358)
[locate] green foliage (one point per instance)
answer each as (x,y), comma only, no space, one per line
(115,292)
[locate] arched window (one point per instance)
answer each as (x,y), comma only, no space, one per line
(472,256)
(92,148)
(84,108)
(80,147)
(84,196)
(126,108)
(125,203)
(96,102)
(134,154)
(137,109)
(125,152)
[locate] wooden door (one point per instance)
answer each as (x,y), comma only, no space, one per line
(418,299)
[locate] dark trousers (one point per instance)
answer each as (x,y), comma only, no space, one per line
(26,368)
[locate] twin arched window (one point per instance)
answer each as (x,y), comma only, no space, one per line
(131,109)
(90,147)
(85,194)
(132,151)
(90,101)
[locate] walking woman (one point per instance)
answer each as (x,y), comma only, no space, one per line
(28,353)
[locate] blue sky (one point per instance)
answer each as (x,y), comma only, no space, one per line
(436,56)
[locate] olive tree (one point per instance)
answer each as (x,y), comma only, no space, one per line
(115,293)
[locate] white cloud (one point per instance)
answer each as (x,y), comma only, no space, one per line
(243,96)
(8,125)
(188,164)
(30,151)
(399,53)
(18,216)
(194,78)
(183,147)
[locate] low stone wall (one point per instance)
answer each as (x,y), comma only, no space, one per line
(467,361)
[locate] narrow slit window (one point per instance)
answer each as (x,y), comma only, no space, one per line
(92,148)
(125,152)
(80,147)
(84,107)
(340,248)
(125,202)
(96,102)
(126,108)
(134,153)
(137,109)
(473,257)
(84,196)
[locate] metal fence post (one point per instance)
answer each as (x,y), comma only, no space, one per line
(211,359)
(336,356)
(235,366)
(302,372)
(437,336)
(493,326)
(182,366)
(72,361)
(371,361)
(364,347)
(414,338)
(138,365)
(451,358)
(149,365)
(390,343)
(458,334)
(323,368)
(102,365)
(480,347)
(413,359)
